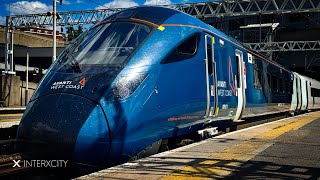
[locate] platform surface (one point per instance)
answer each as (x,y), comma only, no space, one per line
(9,120)
(17,108)
(283,149)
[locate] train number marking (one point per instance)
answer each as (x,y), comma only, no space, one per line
(82,82)
(224,92)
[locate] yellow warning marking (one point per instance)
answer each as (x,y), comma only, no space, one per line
(161,28)
(213,41)
(217,111)
(9,115)
(283,129)
(9,120)
(221,164)
(209,162)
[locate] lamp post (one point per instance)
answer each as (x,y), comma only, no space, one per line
(54,53)
(27,80)
(54,14)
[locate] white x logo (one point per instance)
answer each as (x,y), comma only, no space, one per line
(16,163)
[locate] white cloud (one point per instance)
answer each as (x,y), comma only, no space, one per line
(157,2)
(25,7)
(66,2)
(119,4)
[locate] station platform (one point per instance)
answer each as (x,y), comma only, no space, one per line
(8,120)
(16,109)
(284,149)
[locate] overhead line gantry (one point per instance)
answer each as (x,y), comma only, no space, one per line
(200,10)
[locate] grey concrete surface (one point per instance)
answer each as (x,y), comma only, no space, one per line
(294,155)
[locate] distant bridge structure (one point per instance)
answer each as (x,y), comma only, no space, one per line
(199,10)
(219,9)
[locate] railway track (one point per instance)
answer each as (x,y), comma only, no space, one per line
(7,147)
(8,165)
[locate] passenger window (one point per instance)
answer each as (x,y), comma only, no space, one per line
(269,81)
(284,85)
(290,88)
(209,51)
(281,88)
(185,50)
(274,83)
(315,92)
(260,78)
(238,73)
(257,76)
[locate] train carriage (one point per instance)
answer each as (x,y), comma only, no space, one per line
(147,74)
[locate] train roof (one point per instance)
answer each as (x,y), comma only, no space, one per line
(157,16)
(154,14)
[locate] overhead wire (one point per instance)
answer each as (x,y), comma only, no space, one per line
(98,3)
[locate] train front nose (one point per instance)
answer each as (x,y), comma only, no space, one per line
(64,126)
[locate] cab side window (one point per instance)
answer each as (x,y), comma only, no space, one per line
(185,50)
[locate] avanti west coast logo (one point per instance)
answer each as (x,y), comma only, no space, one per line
(69,84)
(40,163)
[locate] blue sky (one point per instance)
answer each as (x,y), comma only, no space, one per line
(14,7)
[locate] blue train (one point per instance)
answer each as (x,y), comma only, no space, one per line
(147,74)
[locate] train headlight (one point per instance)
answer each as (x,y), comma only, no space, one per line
(126,85)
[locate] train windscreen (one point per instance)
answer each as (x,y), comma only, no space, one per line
(105,44)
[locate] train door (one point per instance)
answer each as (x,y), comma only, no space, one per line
(299,104)
(240,80)
(211,78)
(310,98)
(304,93)
(308,92)
(294,97)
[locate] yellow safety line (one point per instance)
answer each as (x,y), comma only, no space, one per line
(9,115)
(221,164)
(9,120)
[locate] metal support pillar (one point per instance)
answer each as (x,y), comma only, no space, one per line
(27,80)
(54,3)
(270,41)
(6,48)
(11,71)
(9,63)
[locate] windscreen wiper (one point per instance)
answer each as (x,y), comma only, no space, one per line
(75,44)
(76,67)
(75,64)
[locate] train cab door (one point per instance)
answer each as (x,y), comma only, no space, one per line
(304,94)
(308,93)
(240,85)
(211,78)
(310,98)
(295,99)
(299,93)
